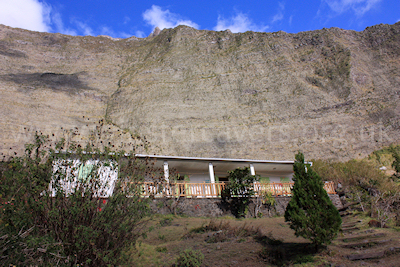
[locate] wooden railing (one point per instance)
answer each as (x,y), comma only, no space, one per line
(210,190)
(277,189)
(330,187)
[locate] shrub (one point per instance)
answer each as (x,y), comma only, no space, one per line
(310,212)
(362,180)
(359,173)
(269,200)
(21,228)
(190,258)
(70,220)
(396,162)
(239,191)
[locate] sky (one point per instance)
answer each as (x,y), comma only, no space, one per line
(126,18)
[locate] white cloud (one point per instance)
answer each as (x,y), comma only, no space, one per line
(83,27)
(107,31)
(27,14)
(162,19)
(140,34)
(126,19)
(279,15)
(36,15)
(56,19)
(360,7)
(239,23)
(110,32)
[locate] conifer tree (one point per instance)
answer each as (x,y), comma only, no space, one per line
(310,211)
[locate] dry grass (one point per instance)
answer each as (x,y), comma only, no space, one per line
(223,241)
(361,173)
(248,242)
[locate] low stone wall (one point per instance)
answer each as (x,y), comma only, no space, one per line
(194,207)
(336,201)
(215,207)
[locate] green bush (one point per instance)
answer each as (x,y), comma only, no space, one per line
(396,162)
(359,173)
(363,182)
(22,206)
(69,225)
(190,258)
(239,191)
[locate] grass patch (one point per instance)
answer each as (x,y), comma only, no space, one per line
(161,249)
(146,255)
(300,259)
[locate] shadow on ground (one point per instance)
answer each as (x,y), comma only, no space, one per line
(280,253)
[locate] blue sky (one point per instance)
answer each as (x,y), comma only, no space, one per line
(122,19)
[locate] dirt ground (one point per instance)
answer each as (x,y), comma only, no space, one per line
(263,242)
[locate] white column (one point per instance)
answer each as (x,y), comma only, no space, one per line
(252,171)
(211,171)
(166,171)
(212,178)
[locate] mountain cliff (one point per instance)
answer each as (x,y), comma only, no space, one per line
(331,93)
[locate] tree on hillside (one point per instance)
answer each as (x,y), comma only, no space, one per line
(310,211)
(396,162)
(239,190)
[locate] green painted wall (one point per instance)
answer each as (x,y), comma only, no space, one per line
(264,180)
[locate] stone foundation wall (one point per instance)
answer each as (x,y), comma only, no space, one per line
(215,207)
(336,201)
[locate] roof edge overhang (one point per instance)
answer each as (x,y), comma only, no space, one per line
(207,159)
(214,159)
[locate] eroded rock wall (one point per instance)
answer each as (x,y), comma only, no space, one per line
(331,93)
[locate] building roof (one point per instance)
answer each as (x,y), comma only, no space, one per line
(221,165)
(215,159)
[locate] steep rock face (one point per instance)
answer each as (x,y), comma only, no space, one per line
(53,83)
(330,93)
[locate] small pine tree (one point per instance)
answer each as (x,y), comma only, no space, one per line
(310,211)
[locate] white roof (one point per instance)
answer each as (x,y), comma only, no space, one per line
(216,159)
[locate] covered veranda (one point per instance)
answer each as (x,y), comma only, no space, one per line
(207,177)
